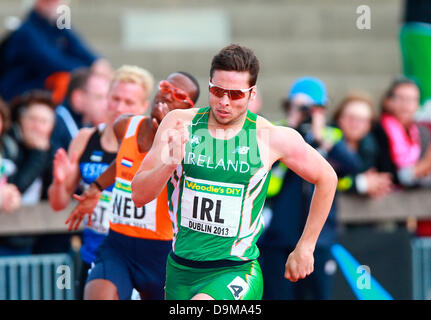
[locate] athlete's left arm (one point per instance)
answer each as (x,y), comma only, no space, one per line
(288,146)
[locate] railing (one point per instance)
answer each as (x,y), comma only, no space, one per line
(397,206)
(39,219)
(34,277)
(37,277)
(421,252)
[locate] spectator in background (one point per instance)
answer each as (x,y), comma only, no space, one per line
(407,144)
(33,120)
(354,116)
(84,104)
(38,49)
(289,197)
(10,197)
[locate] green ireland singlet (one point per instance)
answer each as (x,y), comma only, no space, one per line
(216,194)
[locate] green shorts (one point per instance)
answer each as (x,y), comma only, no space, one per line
(241,282)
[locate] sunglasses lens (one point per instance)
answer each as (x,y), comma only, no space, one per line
(236,94)
(218,92)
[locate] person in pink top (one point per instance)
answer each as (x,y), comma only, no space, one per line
(408,142)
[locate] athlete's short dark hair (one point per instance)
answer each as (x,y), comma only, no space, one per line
(78,80)
(195,81)
(236,58)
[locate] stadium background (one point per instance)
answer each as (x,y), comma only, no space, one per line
(292,38)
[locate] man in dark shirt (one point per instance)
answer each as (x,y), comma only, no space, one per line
(38,49)
(86,98)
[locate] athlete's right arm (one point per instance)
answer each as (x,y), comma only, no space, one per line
(166,153)
(66,173)
(88,200)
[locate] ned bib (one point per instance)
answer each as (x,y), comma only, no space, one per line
(151,221)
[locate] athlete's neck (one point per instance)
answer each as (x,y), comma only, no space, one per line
(227,130)
(146,133)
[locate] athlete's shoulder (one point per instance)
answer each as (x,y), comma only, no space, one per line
(262,123)
(264,126)
(85,132)
(277,137)
(276,128)
(122,122)
(80,141)
(124,119)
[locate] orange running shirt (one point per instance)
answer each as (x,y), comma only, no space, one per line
(149,222)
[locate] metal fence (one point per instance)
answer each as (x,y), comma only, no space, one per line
(421,252)
(37,277)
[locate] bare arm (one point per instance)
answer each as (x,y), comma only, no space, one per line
(166,153)
(90,197)
(66,171)
(288,146)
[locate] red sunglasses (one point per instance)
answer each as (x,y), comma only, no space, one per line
(233,94)
(178,94)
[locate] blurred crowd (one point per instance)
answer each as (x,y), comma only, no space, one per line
(52,85)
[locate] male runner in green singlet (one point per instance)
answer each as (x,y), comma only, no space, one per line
(216,162)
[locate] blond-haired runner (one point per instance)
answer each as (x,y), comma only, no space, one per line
(217,173)
(92,151)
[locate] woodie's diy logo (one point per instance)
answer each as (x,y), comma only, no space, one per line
(230,191)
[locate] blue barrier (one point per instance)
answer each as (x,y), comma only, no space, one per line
(354,272)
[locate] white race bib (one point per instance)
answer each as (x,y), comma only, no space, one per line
(101,215)
(211,207)
(125,212)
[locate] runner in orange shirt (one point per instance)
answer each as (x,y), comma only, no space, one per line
(134,253)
